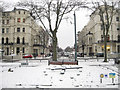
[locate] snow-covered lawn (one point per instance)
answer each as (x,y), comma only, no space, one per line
(37,74)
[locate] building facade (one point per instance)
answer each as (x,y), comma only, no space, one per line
(21,34)
(90,38)
(0,26)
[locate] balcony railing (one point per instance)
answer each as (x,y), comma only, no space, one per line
(7,44)
(15,44)
(115,41)
(38,45)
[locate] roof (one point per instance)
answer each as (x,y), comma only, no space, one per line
(15,9)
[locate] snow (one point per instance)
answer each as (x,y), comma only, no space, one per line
(38,74)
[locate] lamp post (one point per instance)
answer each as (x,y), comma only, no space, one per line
(12,54)
(75,36)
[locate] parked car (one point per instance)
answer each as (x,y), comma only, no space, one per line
(27,56)
(117,61)
(81,54)
(100,55)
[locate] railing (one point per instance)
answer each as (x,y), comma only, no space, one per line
(115,41)
(38,45)
(114,55)
(15,44)
(7,44)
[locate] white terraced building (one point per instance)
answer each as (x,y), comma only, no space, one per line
(21,34)
(90,38)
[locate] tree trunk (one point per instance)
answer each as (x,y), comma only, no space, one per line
(54,41)
(83,50)
(105,49)
(43,50)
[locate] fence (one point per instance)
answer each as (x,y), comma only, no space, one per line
(11,58)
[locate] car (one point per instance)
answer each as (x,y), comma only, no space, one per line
(81,54)
(117,61)
(27,56)
(100,55)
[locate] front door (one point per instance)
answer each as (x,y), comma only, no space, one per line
(7,51)
(18,50)
(118,49)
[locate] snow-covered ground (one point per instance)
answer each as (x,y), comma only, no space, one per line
(38,74)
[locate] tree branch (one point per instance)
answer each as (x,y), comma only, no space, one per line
(49,16)
(42,22)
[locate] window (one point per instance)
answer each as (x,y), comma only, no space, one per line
(18,29)
(3,30)
(2,40)
(118,38)
(7,30)
(3,21)
(23,20)
(95,48)
(90,39)
(117,18)
(3,14)
(7,14)
(18,40)
(7,50)
(18,12)
(23,40)
(7,40)
(35,41)
(23,50)
(23,29)
(18,50)
(7,21)
(118,48)
(18,19)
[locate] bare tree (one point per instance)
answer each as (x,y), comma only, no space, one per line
(106,10)
(68,49)
(54,11)
(1,6)
(44,40)
(4,5)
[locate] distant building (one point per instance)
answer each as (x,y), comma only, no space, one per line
(90,39)
(21,34)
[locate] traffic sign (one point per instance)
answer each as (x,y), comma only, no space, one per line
(111,75)
(101,75)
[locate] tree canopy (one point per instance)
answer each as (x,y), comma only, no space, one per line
(50,13)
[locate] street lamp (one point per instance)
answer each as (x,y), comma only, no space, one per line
(75,37)
(12,54)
